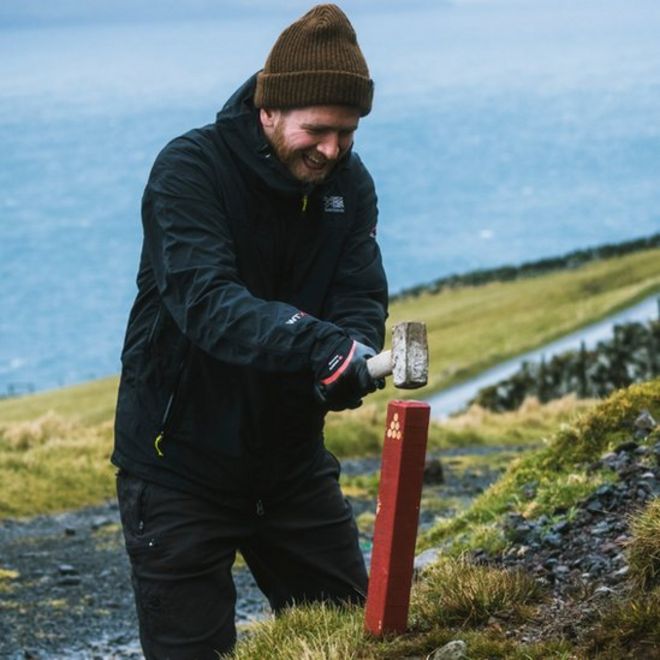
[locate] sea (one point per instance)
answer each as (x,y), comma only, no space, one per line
(502,131)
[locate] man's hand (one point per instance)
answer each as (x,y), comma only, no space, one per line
(345,378)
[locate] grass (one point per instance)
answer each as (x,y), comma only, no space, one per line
(59,459)
(457,592)
(53,463)
(88,404)
(627,628)
(307,633)
(360,432)
(644,547)
(530,424)
(453,601)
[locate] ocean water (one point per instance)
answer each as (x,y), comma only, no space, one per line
(502,131)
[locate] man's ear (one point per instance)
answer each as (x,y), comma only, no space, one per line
(268,117)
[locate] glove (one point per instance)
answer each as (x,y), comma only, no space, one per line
(345,378)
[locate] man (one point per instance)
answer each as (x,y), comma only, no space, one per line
(260,295)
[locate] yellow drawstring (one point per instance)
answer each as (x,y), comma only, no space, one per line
(157,441)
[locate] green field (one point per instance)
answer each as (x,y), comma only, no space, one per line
(55,445)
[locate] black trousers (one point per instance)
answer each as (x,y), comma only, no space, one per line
(301,545)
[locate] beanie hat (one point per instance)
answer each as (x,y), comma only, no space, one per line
(316,61)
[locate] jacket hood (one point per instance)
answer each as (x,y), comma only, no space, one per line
(238,123)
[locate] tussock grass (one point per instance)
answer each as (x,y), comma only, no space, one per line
(53,463)
(306,633)
(457,592)
(627,628)
(644,547)
(36,433)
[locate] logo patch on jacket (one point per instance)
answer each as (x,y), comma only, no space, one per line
(333,204)
(295,318)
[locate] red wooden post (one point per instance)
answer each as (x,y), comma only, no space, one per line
(397,517)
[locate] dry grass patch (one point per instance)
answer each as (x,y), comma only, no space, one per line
(53,463)
(306,633)
(628,628)
(49,428)
(644,547)
(532,422)
(456,592)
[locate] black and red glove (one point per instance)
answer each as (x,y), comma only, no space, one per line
(345,379)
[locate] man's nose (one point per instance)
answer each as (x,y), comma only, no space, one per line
(329,146)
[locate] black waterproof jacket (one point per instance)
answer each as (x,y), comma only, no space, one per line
(248,280)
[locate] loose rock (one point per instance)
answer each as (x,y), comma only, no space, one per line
(455,650)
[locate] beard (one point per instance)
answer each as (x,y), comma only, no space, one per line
(306,165)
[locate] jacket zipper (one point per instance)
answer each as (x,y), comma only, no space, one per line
(154,327)
(169,408)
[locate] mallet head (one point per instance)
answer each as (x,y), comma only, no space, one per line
(410,355)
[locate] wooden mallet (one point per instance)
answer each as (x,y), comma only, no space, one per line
(401,477)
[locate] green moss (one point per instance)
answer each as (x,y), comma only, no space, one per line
(607,426)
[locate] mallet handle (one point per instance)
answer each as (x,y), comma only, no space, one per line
(380,365)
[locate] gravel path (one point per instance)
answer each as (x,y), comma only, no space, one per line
(69,595)
(72,597)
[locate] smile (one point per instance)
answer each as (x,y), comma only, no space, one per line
(313,163)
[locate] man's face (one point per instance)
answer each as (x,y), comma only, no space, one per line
(310,141)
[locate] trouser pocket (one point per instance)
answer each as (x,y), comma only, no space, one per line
(132,494)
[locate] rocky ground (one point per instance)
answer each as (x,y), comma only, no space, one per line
(581,557)
(69,594)
(579,554)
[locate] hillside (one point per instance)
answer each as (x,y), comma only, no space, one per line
(543,505)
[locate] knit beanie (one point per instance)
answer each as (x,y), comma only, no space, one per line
(316,61)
